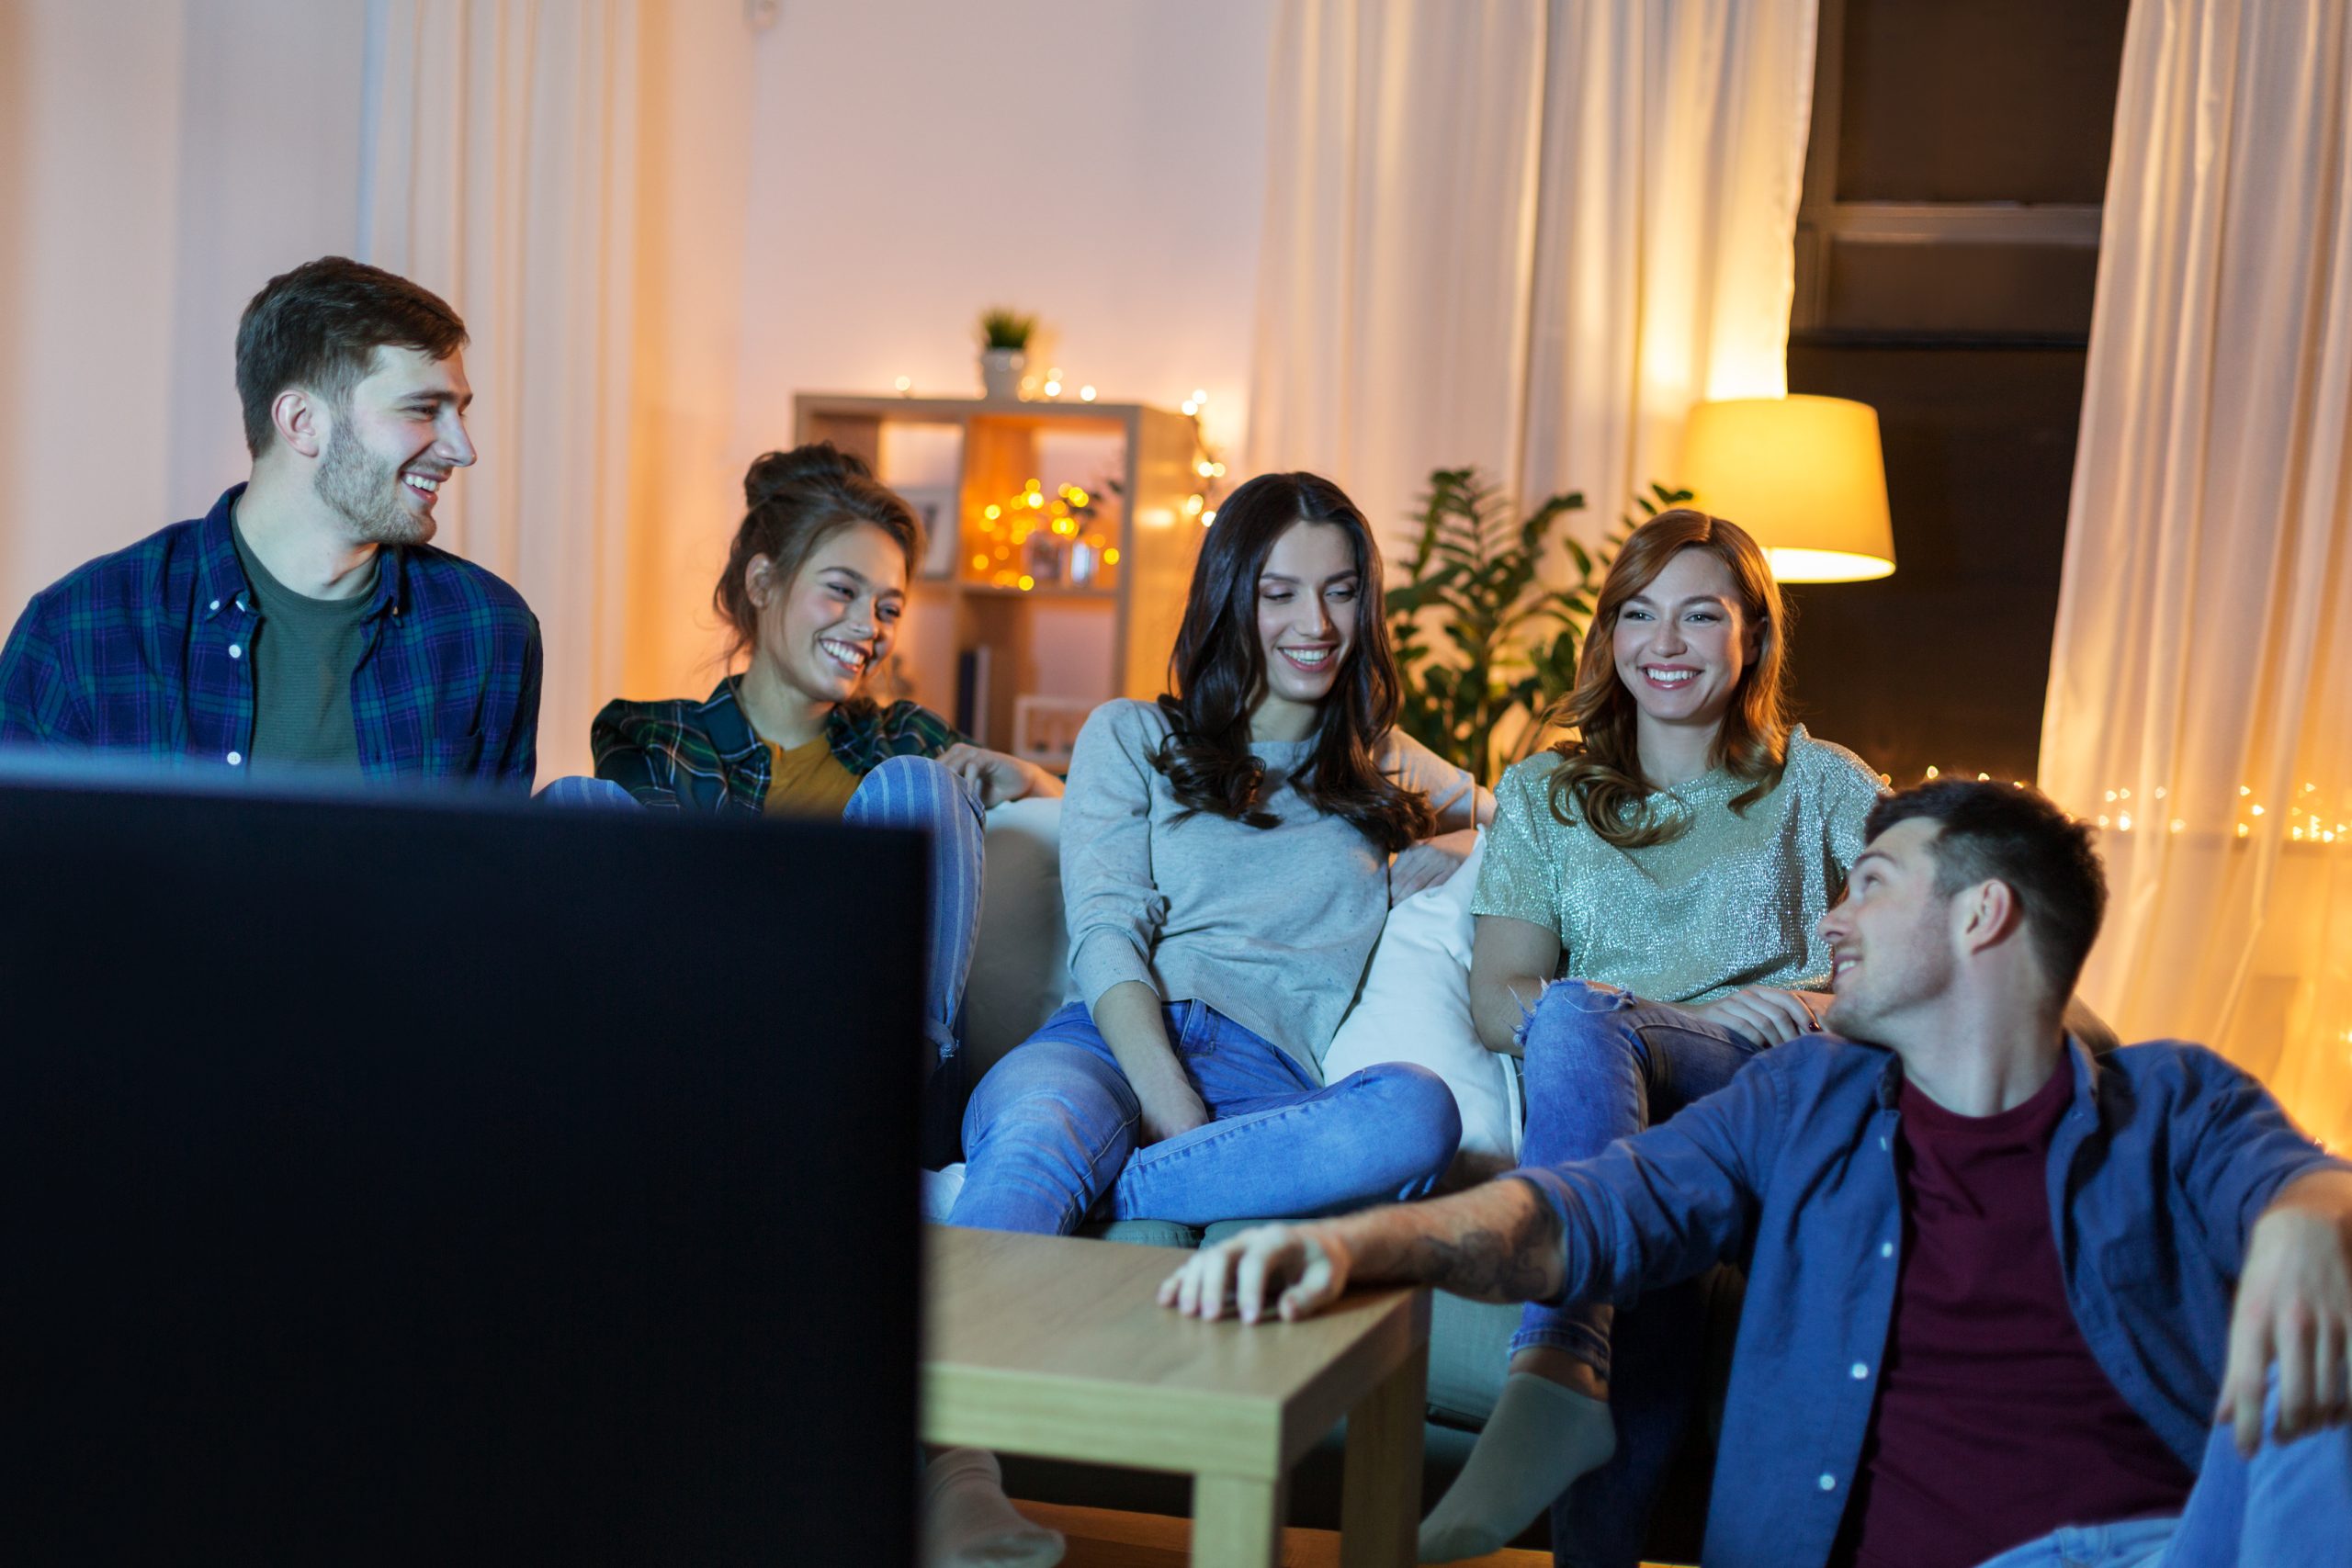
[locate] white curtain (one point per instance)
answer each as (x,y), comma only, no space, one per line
(1526,234)
(501,172)
(2200,686)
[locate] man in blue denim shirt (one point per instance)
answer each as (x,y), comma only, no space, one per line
(2199,1248)
(304,625)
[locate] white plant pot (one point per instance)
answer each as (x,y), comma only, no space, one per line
(1000,371)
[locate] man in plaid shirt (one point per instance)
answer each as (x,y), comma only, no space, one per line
(304,625)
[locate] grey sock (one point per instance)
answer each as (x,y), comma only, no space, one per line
(1541,1438)
(967,1523)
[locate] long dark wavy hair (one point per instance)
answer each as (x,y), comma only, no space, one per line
(1599,774)
(1218,674)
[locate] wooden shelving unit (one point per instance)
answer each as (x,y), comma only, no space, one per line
(1088,642)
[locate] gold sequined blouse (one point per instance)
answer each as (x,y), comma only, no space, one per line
(1731,901)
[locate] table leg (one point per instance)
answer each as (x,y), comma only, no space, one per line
(1380,1507)
(1238,1521)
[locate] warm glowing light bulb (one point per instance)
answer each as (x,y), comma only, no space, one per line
(980,563)
(2255,809)
(1054,387)
(1027,583)
(1191,407)
(1931,771)
(1199,396)
(2124,822)
(1208,517)
(1204,469)
(1111,556)
(993,512)
(905,385)
(1086,394)
(2177,824)
(1193,505)
(2245,789)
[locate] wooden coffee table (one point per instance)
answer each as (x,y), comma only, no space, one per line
(1056,1347)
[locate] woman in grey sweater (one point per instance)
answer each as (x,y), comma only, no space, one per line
(1228,856)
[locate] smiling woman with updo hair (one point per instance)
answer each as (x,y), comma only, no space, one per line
(815,584)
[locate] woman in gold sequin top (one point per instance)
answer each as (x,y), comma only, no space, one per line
(1668,866)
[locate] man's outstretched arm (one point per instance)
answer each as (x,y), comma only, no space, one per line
(1497,1242)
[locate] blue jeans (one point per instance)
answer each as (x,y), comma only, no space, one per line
(918,793)
(1050,1133)
(2289,1506)
(1599,1066)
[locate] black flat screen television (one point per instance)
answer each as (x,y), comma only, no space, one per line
(428,1182)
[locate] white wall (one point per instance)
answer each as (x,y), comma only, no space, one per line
(1098,161)
(89,97)
(158,162)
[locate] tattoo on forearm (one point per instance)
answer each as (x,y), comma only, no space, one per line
(1520,1265)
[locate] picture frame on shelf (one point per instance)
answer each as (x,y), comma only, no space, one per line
(938,508)
(1045,730)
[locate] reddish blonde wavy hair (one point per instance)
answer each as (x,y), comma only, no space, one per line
(1599,774)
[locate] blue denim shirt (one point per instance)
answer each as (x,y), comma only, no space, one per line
(144,651)
(2157,1172)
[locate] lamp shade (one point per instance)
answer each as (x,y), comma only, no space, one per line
(1802,475)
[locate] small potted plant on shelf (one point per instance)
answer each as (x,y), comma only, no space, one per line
(1004,345)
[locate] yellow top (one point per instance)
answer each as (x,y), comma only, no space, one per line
(807,781)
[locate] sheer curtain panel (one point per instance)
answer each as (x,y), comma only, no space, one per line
(1523,234)
(501,172)
(2200,689)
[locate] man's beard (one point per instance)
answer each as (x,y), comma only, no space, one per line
(367,492)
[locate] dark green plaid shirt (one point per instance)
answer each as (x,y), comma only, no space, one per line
(704,756)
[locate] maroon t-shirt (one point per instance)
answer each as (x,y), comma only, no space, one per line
(1993,1424)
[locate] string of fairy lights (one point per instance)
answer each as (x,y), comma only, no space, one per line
(2307,818)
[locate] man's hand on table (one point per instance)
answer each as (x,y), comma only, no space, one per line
(1291,1271)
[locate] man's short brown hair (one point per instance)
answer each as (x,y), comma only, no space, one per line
(320,325)
(1989,832)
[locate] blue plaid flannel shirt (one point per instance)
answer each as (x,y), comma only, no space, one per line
(144,651)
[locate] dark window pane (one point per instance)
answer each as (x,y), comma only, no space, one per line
(1978,100)
(1945,663)
(2040,291)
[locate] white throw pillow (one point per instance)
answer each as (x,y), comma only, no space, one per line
(1415,1007)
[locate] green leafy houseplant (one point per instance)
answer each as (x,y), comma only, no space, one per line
(1505,641)
(1001,328)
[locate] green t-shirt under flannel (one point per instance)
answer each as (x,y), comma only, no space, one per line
(304,651)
